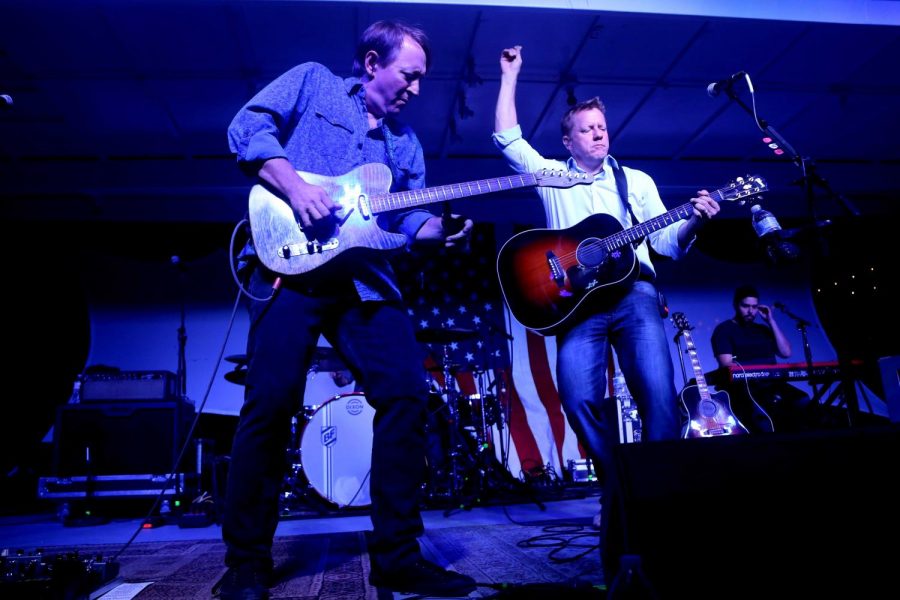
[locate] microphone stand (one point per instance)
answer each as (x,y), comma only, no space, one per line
(809,179)
(810,176)
(802,324)
(181,373)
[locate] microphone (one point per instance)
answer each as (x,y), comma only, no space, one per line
(779,306)
(717,87)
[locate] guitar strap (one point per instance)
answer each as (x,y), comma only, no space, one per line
(622,186)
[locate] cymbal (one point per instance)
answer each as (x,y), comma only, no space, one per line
(445,335)
(238,359)
(327,359)
(238,376)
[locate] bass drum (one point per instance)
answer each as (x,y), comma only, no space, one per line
(336,449)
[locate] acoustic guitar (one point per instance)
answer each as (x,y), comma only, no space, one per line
(709,414)
(548,275)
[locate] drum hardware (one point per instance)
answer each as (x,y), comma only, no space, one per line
(463,476)
(469,472)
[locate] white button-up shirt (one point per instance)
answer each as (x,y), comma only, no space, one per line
(566,207)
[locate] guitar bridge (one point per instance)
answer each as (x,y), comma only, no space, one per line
(310,247)
(557,273)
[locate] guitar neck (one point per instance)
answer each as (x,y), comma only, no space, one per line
(642,230)
(695,364)
(421,197)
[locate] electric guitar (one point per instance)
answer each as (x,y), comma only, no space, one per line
(284,247)
(709,415)
(547,275)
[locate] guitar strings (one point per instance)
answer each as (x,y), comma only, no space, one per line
(620,238)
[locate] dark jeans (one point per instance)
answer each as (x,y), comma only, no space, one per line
(637,333)
(377,341)
(633,326)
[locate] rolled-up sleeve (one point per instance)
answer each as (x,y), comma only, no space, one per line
(256,132)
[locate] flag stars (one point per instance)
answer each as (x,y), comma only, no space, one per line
(423,324)
(477,320)
(488,307)
(470,357)
(462,310)
(435,311)
(451,322)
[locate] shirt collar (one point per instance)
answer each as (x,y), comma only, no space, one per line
(355,87)
(571,165)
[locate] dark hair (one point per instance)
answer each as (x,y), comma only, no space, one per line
(386,38)
(566,123)
(744,291)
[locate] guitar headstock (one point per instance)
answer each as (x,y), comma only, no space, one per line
(741,188)
(680,321)
(557,178)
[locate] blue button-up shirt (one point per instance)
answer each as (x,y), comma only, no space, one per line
(319,123)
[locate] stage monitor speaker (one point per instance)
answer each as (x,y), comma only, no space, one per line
(806,515)
(130,437)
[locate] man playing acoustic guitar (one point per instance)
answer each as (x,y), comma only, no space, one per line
(628,317)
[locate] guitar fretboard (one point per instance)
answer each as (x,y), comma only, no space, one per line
(695,364)
(642,230)
(409,198)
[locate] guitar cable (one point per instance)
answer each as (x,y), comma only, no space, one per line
(750,395)
(190,433)
(187,438)
(234,274)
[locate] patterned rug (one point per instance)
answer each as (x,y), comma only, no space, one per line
(515,560)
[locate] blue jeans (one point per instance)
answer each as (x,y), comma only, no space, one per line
(634,328)
(377,341)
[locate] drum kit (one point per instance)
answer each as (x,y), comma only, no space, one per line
(330,450)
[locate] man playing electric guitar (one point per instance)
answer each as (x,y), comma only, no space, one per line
(629,319)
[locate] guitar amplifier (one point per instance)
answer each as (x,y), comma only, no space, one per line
(122,438)
(128,385)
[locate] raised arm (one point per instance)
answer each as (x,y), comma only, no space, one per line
(510,64)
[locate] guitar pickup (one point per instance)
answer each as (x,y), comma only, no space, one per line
(557,273)
(311,247)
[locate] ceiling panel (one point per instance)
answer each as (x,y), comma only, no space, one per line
(118,102)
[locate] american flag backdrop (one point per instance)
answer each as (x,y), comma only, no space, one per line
(502,365)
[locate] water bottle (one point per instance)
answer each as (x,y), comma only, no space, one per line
(768,229)
(764,222)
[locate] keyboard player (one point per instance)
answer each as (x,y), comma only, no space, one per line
(762,406)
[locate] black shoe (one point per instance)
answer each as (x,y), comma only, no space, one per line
(244,582)
(423,578)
